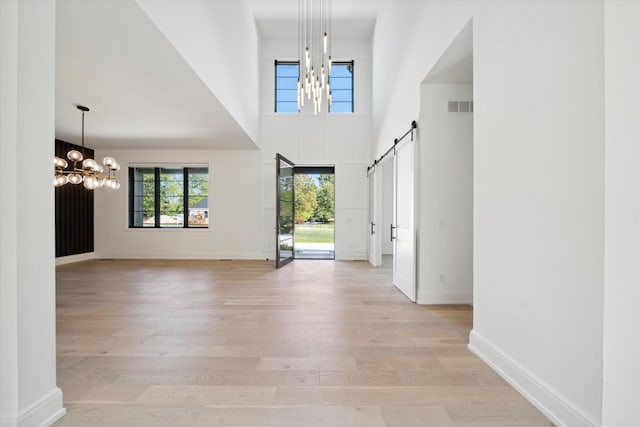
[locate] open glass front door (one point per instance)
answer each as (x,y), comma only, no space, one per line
(284,211)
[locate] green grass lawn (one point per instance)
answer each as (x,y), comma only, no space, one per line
(314,233)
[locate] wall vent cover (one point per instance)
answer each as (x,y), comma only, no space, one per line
(460,107)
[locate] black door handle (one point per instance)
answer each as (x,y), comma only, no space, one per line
(392,236)
(373,231)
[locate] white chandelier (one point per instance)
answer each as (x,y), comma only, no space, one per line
(314,52)
(85,170)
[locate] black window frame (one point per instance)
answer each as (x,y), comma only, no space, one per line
(353,69)
(157,213)
(275,86)
(333,63)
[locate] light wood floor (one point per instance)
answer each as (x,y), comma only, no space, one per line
(238,343)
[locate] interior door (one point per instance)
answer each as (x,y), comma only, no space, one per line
(284,211)
(402,229)
(375,252)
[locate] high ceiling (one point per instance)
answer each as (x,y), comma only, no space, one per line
(111,58)
(142,93)
(277,19)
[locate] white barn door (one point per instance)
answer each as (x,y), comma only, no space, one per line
(375,247)
(403,229)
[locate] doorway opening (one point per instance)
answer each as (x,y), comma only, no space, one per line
(314,212)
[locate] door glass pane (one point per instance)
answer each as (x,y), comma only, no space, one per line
(285,205)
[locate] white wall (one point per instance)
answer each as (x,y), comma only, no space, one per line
(324,139)
(28,392)
(219,40)
(538,181)
(445,214)
(235,209)
(622,239)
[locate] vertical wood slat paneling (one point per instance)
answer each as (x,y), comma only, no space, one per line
(74,211)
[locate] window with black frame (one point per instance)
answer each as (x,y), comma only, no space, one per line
(341,82)
(286,87)
(168,197)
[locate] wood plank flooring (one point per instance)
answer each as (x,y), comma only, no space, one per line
(238,343)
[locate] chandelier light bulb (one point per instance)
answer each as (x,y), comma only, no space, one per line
(60,180)
(89,164)
(75,178)
(74,155)
(90,182)
(108,161)
(59,162)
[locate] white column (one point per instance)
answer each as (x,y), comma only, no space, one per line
(621,352)
(28,392)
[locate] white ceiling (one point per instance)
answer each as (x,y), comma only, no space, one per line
(142,94)
(456,63)
(111,58)
(278,19)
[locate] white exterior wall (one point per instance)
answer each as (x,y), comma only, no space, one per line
(28,392)
(340,139)
(235,209)
(622,212)
(538,181)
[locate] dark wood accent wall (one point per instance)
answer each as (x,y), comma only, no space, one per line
(74,211)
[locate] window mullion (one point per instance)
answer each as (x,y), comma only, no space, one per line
(156,197)
(185,198)
(131,197)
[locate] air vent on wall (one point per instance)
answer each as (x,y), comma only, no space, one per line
(460,106)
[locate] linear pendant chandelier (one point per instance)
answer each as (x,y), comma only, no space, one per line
(314,52)
(85,170)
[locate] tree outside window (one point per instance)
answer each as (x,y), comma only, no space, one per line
(157,197)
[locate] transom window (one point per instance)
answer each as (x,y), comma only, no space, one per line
(286,87)
(168,197)
(341,82)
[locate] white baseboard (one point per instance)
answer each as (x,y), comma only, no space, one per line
(351,256)
(560,410)
(75,258)
(42,413)
(186,256)
(445,297)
